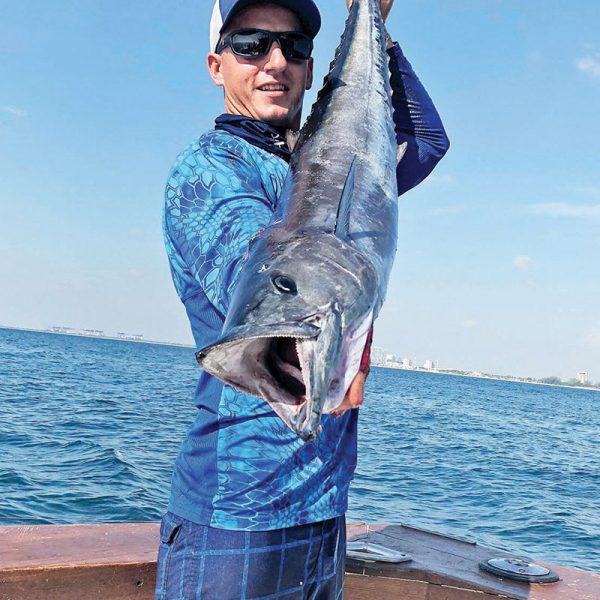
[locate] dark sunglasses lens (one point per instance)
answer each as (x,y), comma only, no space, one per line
(295,46)
(250,44)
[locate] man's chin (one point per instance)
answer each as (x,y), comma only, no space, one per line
(280,118)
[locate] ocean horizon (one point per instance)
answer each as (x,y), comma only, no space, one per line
(437,371)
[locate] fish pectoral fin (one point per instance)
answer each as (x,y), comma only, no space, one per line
(401,152)
(342,222)
(292,136)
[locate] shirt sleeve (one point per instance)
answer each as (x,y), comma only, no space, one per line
(417,124)
(215,204)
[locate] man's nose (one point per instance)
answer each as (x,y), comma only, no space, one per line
(276,61)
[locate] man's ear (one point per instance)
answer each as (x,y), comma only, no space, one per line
(214,63)
(310,73)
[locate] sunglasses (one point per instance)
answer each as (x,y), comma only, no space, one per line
(254,43)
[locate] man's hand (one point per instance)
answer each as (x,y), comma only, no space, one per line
(355,396)
(386,6)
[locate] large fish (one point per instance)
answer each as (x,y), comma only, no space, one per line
(316,278)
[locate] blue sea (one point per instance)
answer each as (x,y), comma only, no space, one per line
(89,431)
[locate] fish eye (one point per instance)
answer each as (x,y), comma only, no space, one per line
(285,285)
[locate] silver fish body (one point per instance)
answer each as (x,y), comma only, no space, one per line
(315,280)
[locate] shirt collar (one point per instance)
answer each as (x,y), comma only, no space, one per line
(257,133)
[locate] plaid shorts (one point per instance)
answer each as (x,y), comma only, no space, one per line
(196,562)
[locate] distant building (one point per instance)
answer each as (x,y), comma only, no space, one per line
(131,337)
(406,363)
(63,330)
(390,358)
(378,356)
(93,332)
(582,377)
(429,365)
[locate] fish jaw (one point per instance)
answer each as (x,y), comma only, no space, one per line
(249,360)
(349,362)
(252,362)
(329,364)
(240,356)
(318,359)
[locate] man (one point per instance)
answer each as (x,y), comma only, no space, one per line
(254,511)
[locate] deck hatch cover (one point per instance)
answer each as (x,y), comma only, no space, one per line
(519,569)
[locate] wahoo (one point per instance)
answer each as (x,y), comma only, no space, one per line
(315,279)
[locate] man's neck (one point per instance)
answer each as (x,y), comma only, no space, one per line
(258,133)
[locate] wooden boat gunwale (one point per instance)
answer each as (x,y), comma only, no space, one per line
(118,562)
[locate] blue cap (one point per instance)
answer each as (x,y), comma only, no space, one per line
(225,10)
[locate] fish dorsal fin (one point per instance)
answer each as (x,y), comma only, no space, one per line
(401,152)
(342,222)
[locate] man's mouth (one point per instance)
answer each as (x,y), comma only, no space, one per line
(273,87)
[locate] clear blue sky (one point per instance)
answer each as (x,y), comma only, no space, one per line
(498,266)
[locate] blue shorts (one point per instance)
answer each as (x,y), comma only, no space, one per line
(196,562)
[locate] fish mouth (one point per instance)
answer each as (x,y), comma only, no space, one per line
(274,365)
(283,362)
(302,369)
(285,384)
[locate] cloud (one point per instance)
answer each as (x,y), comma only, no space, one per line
(523,263)
(470,324)
(13,110)
(563,209)
(590,64)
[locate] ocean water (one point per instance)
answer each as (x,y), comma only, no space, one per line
(89,430)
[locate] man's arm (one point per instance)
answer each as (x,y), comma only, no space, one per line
(416,119)
(417,123)
(215,204)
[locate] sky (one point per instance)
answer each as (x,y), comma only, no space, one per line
(498,264)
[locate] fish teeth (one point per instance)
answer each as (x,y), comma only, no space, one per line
(304,366)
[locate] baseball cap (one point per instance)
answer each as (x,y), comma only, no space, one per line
(225,10)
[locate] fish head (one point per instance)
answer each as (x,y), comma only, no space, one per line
(290,329)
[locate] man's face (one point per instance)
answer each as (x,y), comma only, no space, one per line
(269,88)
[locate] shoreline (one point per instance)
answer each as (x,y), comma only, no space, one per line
(490,378)
(98,337)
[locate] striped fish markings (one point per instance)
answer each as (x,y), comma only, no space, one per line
(316,278)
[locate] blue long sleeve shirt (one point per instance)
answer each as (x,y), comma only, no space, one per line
(239,466)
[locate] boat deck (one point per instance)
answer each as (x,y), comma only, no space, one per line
(445,568)
(118,562)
